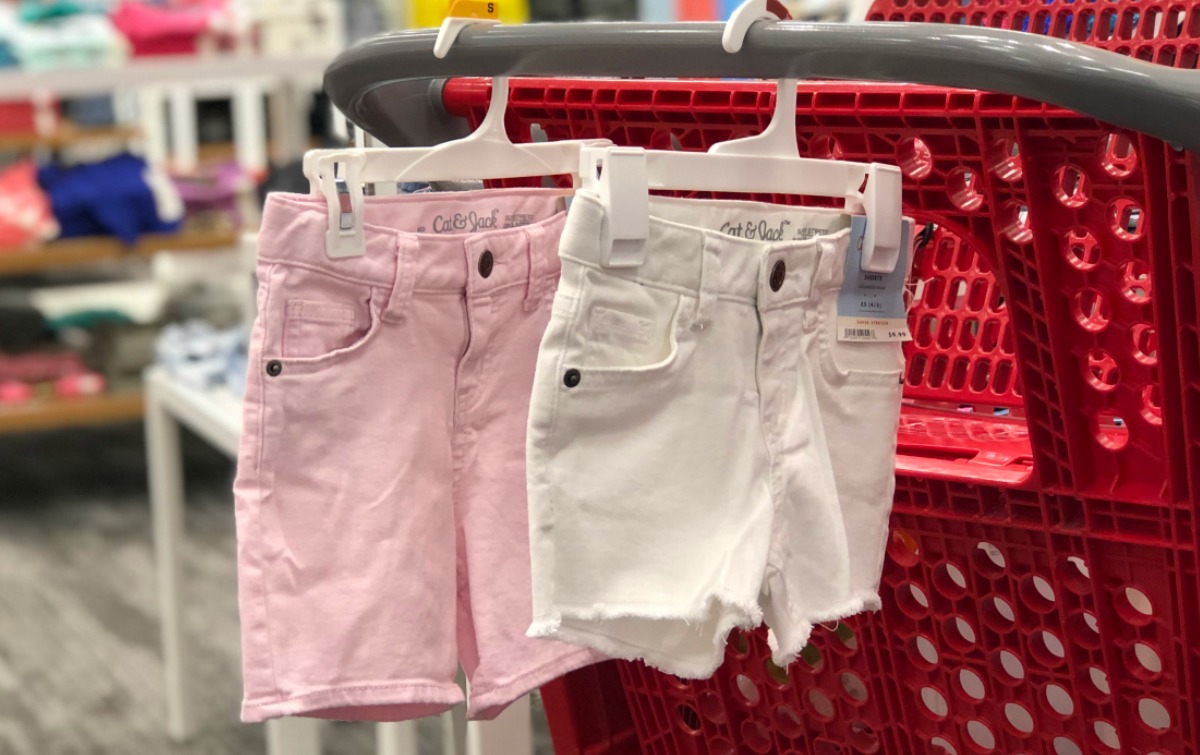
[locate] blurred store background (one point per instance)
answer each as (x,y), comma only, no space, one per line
(136,142)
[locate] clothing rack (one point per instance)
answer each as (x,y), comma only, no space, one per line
(390,85)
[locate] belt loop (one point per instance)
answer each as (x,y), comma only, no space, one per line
(538,282)
(821,272)
(710,266)
(396,308)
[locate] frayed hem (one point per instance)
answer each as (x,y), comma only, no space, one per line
(568,625)
(785,653)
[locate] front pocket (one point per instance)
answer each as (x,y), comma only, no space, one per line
(312,318)
(622,330)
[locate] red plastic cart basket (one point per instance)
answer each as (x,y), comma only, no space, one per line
(1040,594)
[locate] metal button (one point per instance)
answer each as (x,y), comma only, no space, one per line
(486,263)
(572,377)
(274,367)
(778,272)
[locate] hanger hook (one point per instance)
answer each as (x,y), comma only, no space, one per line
(464,13)
(743,17)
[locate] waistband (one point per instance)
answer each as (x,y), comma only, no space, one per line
(426,242)
(727,249)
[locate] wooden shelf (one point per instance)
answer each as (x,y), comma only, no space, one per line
(51,413)
(100,249)
(65,136)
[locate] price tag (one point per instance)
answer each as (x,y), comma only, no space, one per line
(474,9)
(871,305)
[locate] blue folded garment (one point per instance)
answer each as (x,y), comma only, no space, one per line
(110,197)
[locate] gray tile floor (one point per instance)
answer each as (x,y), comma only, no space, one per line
(80,669)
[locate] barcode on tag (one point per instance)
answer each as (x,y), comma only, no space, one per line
(858,333)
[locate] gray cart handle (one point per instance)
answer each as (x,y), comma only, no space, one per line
(389,85)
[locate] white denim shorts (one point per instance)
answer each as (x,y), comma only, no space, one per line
(681,481)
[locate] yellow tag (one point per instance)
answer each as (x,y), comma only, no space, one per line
(474,9)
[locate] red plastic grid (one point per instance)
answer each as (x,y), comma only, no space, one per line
(1160,31)
(993,639)
(1046,220)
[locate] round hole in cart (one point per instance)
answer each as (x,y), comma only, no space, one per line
(756,736)
(1047,649)
(826,147)
(1134,606)
(1151,404)
(904,549)
(989,561)
(912,600)
(1019,718)
(745,690)
(914,158)
(854,687)
(1100,370)
(1072,187)
(981,736)
(739,643)
(934,704)
(812,658)
(963,187)
(1111,432)
(819,704)
(959,633)
(1154,715)
(1145,343)
(1082,250)
(1059,700)
(1091,309)
(1004,160)
(862,737)
(923,653)
(1127,218)
(844,639)
(1106,735)
(1117,155)
(1135,281)
(1084,630)
(998,614)
(1073,573)
(688,718)
(776,673)
(1066,746)
(788,722)
(1094,684)
(711,707)
(1014,222)
(1143,660)
(1007,667)
(949,581)
(971,684)
(941,746)
(1037,594)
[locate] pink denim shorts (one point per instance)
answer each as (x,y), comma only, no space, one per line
(381,511)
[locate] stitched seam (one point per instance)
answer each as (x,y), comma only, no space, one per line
(258,513)
(672,287)
(557,663)
(331,691)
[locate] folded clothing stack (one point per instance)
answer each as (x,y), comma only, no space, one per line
(202,356)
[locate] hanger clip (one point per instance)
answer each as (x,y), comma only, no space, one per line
(344,204)
(882,204)
(618,178)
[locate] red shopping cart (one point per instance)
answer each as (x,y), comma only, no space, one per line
(1041,587)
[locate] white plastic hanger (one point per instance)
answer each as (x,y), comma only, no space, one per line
(770,162)
(486,153)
